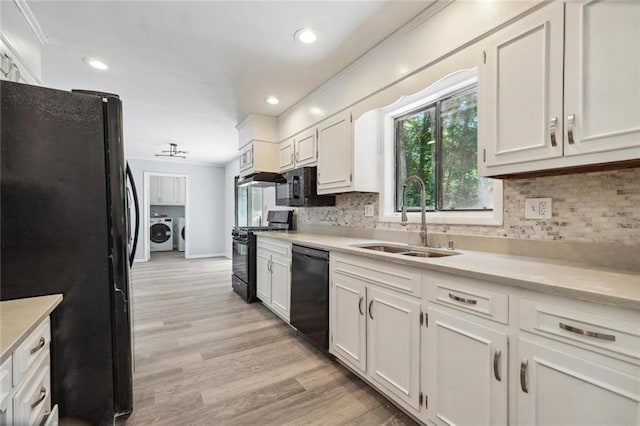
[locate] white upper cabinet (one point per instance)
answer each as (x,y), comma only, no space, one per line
(602,76)
(335,154)
(306,148)
(167,190)
(286,157)
(521,90)
(348,154)
(257,136)
(561,88)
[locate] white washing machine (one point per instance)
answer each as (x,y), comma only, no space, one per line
(161,234)
(179,233)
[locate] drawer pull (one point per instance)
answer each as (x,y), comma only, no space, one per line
(523,375)
(42,397)
(496,365)
(39,346)
(594,334)
(462,299)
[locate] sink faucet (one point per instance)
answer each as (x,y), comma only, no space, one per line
(423,207)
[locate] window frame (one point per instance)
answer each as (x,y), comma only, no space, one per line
(436,105)
(448,86)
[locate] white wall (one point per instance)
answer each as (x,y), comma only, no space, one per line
(444,28)
(206,194)
(232,169)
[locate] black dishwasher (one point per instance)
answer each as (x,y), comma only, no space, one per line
(310,294)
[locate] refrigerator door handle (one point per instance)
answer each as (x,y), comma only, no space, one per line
(136,205)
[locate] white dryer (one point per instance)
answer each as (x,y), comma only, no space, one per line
(179,233)
(161,234)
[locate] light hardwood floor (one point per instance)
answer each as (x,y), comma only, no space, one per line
(204,357)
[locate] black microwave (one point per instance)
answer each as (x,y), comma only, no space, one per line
(299,189)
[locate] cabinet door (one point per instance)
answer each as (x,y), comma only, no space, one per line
(335,155)
(559,388)
(602,76)
(393,344)
(306,148)
(520,90)
(154,189)
(348,321)
(249,156)
(182,191)
(286,156)
(465,371)
(281,285)
(168,189)
(263,276)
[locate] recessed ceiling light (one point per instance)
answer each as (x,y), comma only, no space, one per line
(272,100)
(96,63)
(305,35)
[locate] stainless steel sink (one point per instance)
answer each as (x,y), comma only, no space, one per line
(406,250)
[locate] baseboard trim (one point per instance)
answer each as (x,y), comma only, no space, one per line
(200,256)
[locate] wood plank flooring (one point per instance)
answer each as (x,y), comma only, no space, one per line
(204,357)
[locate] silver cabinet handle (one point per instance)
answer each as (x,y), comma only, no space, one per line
(462,299)
(298,156)
(523,375)
(496,365)
(570,122)
(292,158)
(552,130)
(360,305)
(587,333)
(39,346)
(42,397)
(370,314)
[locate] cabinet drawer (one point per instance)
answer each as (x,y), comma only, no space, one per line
(275,246)
(32,401)
(582,328)
(385,274)
(6,383)
(29,351)
(467,295)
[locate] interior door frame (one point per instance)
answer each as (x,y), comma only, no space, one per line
(147,212)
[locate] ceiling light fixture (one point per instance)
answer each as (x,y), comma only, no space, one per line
(272,100)
(173,152)
(305,35)
(99,65)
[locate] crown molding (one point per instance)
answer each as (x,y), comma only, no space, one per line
(30,17)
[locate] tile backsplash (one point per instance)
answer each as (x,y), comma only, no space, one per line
(600,207)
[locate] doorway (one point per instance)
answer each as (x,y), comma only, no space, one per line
(166,215)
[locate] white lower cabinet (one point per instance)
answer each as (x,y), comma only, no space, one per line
(273,275)
(348,321)
(464,371)
(393,344)
(25,379)
(559,387)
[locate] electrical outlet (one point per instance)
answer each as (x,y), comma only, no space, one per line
(537,208)
(368,210)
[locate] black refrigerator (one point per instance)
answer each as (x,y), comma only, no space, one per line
(65,228)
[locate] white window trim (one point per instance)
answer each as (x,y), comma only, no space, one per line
(449,84)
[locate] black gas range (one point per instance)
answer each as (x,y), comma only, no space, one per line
(243,279)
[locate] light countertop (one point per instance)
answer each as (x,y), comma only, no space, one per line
(621,288)
(18,318)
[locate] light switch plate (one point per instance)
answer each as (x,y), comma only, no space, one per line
(537,208)
(368,210)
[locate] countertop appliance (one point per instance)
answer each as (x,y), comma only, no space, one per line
(64,229)
(161,233)
(299,189)
(310,294)
(243,279)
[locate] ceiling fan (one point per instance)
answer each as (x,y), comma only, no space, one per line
(173,152)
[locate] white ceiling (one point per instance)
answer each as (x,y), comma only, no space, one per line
(188,71)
